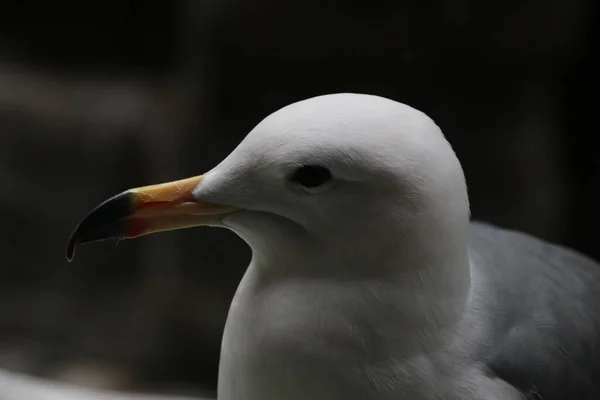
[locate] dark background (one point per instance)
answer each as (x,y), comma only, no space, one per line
(97,97)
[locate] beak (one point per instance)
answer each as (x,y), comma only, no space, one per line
(145,210)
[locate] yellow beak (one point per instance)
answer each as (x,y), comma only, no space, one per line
(145,210)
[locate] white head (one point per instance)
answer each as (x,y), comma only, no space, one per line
(345,177)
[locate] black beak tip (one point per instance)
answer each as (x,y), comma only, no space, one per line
(72,245)
(104,222)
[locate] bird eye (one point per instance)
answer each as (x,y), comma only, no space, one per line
(311,176)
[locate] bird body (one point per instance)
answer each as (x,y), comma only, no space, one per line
(524,332)
(535,306)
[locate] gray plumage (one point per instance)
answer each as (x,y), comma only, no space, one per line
(540,303)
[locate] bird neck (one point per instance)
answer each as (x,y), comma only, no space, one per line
(401,310)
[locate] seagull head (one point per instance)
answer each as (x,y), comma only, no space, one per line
(341,179)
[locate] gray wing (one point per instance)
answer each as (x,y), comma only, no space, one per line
(539,310)
(22,387)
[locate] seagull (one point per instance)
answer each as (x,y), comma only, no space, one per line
(368,279)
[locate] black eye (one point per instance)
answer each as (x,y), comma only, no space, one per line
(311,176)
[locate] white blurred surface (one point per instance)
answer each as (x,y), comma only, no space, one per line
(22,387)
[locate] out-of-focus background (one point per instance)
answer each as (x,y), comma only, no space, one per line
(97,97)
